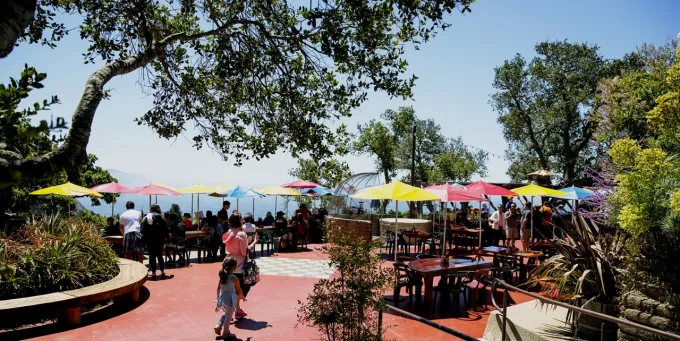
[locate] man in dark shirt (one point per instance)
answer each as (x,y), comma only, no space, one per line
(112,229)
(223,224)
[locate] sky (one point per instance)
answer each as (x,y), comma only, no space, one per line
(455,72)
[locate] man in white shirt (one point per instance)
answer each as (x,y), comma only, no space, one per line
(498,225)
(131,228)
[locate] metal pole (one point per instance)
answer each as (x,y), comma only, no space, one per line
(198,207)
(396,231)
(192,203)
(413,170)
(532,221)
(113,203)
(276,204)
(445,233)
(380,318)
(480,226)
(505,313)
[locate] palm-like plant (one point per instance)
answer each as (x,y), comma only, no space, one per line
(585,264)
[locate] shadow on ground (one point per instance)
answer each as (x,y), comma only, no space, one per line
(94,316)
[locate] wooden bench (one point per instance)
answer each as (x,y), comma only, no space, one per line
(67,304)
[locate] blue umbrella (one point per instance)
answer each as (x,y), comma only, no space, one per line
(239,192)
(575,193)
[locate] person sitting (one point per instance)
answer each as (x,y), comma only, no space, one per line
(248,225)
(268,220)
(187,222)
(304,211)
(259,223)
(176,238)
(112,229)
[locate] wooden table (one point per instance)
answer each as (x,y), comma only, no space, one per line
(195,234)
(430,268)
(114,239)
(413,235)
(496,250)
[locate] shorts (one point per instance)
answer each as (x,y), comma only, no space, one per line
(526,234)
(132,242)
(512,233)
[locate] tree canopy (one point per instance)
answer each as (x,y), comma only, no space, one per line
(437,158)
(546,107)
(252,76)
(328,173)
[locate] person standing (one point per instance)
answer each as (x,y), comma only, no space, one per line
(155,234)
(526,227)
(236,242)
(498,226)
(223,224)
(111,228)
(131,228)
(512,222)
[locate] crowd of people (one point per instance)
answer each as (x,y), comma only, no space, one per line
(508,223)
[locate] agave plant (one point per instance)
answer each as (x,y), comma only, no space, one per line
(585,265)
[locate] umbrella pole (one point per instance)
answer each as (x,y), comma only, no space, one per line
(573,213)
(276,203)
(156,199)
(480,226)
(396,231)
(445,233)
(253,208)
(532,220)
(198,206)
(113,203)
(192,204)
(237,204)
(149,203)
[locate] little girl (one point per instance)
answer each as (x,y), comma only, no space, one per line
(227,299)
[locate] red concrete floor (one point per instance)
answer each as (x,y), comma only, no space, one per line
(181,308)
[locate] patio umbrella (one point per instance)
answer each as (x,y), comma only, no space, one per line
(164,186)
(396,191)
(542,173)
(533,190)
(451,193)
(111,187)
(67,189)
(575,194)
(152,190)
(196,189)
(481,188)
(302,184)
(239,192)
(278,190)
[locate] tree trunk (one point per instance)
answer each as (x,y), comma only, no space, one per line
(15,16)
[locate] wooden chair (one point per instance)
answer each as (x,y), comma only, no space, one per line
(434,243)
(266,238)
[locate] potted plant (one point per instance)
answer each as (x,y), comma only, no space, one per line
(583,272)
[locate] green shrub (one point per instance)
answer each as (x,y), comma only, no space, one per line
(52,254)
(343,307)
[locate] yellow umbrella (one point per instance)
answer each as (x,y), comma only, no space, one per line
(533,190)
(196,189)
(396,191)
(278,190)
(68,189)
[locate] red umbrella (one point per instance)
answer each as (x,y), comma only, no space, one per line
(301,184)
(450,193)
(484,188)
(480,188)
(152,190)
(111,187)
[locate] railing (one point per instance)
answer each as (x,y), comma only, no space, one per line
(504,312)
(436,325)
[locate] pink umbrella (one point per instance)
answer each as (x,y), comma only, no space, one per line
(301,184)
(111,187)
(450,193)
(481,188)
(484,188)
(151,190)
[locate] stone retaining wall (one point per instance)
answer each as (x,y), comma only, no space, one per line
(355,229)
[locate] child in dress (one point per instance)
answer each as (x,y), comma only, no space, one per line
(227,299)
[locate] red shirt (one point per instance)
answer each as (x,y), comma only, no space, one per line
(306,215)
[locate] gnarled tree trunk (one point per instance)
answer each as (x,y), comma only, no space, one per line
(15,16)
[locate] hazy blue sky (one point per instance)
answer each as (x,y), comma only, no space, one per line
(455,74)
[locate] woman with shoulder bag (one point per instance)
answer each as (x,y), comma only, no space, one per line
(236,242)
(154,234)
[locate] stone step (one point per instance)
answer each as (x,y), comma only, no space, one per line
(530,322)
